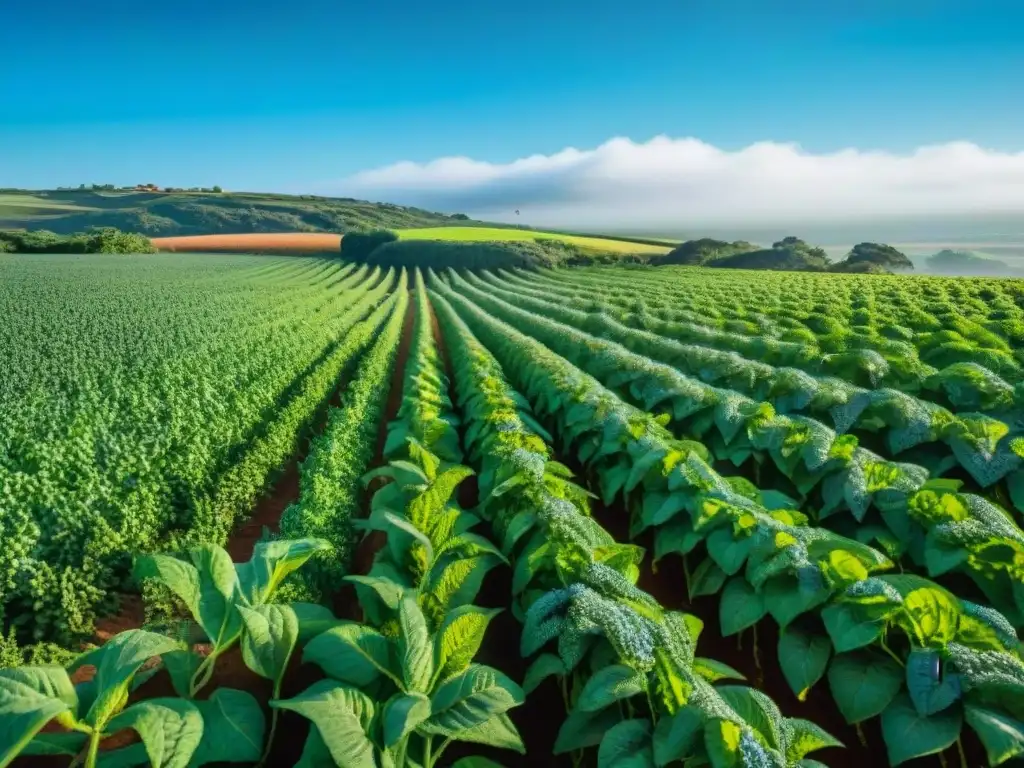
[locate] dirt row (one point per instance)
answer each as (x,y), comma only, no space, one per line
(257,242)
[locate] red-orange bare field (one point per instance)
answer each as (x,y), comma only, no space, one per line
(298,242)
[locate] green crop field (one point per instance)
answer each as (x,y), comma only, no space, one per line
(19,205)
(482,234)
(606,515)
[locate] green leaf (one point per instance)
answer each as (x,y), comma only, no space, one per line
(23,713)
(118,661)
(315,753)
(543,667)
(908,735)
(847,629)
(181,665)
(499,732)
(353,653)
(804,737)
(415,648)
(313,619)
(271,563)
(402,713)
(932,615)
(470,699)
(271,632)
(863,684)
(1001,734)
(760,712)
(727,551)
(342,715)
(389,591)
(706,579)
(609,685)
(584,729)
(50,681)
(233,729)
(219,595)
(928,690)
(803,657)
(170,729)
(459,637)
(178,576)
(627,745)
(68,744)
(131,756)
(677,736)
(740,607)
(475,762)
(713,671)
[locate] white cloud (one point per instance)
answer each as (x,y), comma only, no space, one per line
(672,183)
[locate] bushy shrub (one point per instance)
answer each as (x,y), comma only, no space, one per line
(357,246)
(103,240)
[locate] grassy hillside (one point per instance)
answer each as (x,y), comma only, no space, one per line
(189,213)
(480,234)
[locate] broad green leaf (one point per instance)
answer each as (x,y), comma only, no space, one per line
(50,681)
(402,713)
(459,638)
(313,619)
(803,657)
(713,671)
(342,715)
(271,563)
(584,729)
(908,735)
(543,667)
(1001,734)
(627,745)
(470,699)
(415,647)
(181,665)
(219,595)
(390,592)
(847,629)
(932,614)
(132,756)
(170,729)
(805,737)
(706,579)
(722,742)
(727,551)
(760,712)
(929,691)
(178,576)
(69,744)
(271,632)
(353,653)
(315,753)
(609,685)
(120,659)
(475,762)
(740,607)
(863,684)
(677,736)
(786,599)
(23,712)
(233,730)
(499,732)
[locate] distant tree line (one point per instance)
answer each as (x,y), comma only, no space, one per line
(100,240)
(383,248)
(788,254)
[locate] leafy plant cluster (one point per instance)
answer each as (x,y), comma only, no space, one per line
(630,681)
(788,254)
(403,685)
(329,476)
(730,348)
(912,514)
(895,646)
(147,406)
(96,240)
(383,248)
(931,322)
(232,605)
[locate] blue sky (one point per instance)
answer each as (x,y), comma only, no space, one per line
(293,96)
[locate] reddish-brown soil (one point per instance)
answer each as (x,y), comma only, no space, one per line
(258,242)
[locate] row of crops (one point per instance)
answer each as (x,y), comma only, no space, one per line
(580,517)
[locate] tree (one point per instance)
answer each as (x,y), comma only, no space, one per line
(357,246)
(878,253)
(217,189)
(702,251)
